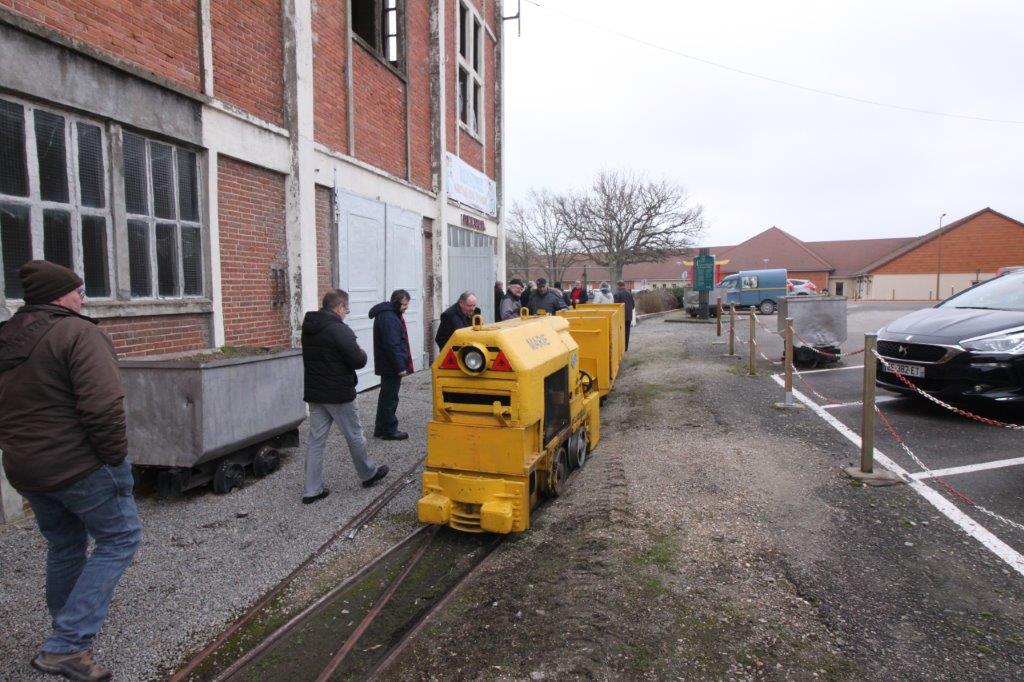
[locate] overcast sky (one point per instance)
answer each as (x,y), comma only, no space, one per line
(756,153)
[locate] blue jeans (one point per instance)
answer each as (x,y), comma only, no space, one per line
(387,406)
(79,587)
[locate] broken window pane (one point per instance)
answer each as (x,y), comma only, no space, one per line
(474,117)
(477,40)
(136,196)
(463,29)
(163,180)
(94,255)
(166,260)
(191,260)
(90,165)
(13,168)
(188,194)
(16,244)
(138,258)
(364,20)
(57,237)
(463,100)
(53,158)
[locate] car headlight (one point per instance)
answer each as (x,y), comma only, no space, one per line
(473,359)
(1011,343)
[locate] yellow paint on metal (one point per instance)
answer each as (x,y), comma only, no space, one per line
(600,331)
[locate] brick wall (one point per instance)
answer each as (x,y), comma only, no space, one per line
(158,335)
(248,56)
(252,241)
(418,73)
(379,112)
(471,151)
(330,122)
(325,241)
(986,242)
(161,36)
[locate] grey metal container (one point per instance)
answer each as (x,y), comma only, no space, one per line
(183,412)
(818,321)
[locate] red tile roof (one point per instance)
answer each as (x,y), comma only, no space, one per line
(782,250)
(849,256)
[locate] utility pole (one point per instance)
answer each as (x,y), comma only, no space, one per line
(938,264)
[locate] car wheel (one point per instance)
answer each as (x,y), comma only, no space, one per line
(767,307)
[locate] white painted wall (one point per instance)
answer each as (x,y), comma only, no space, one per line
(919,287)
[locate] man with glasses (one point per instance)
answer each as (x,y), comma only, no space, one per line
(330,357)
(62,430)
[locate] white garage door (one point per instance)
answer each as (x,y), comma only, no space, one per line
(471,267)
(379,250)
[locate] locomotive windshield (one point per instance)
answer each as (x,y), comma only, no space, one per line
(556,403)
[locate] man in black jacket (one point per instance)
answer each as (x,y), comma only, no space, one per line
(458,315)
(330,357)
(392,360)
(625,296)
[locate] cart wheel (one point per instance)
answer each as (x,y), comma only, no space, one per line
(581,447)
(558,473)
(266,461)
(228,476)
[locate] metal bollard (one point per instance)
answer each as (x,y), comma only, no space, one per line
(752,344)
(867,414)
(789,361)
(732,330)
(718,316)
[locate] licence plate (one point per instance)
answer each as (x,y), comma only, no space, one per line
(907,370)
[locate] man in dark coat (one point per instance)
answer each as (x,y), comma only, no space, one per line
(545,298)
(625,296)
(62,430)
(512,301)
(392,360)
(499,293)
(330,357)
(458,315)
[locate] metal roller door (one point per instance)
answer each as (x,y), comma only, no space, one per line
(472,265)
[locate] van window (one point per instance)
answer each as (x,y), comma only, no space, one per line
(727,284)
(750,282)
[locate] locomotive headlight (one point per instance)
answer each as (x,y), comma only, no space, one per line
(473,359)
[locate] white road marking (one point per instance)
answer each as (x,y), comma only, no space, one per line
(857,403)
(968,468)
(832,369)
(1012,557)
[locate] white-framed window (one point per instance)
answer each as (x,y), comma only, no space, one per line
(471,69)
(379,24)
(56,176)
(54,195)
(161,196)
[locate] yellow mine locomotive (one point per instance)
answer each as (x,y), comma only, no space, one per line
(513,413)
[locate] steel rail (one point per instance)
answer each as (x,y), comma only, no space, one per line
(360,519)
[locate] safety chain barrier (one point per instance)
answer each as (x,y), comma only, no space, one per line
(810,388)
(965,499)
(825,353)
(963,413)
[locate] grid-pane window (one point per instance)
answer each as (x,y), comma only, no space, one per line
(378,23)
(471,59)
(53,195)
(164,223)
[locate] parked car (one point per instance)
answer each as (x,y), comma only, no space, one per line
(760,288)
(969,347)
(801,287)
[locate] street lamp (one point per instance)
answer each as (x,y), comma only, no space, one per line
(938,262)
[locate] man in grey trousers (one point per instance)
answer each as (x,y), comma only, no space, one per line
(330,357)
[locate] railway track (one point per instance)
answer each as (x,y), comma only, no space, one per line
(203,665)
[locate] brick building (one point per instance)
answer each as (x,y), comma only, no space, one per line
(210,167)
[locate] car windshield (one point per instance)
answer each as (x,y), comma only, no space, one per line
(1001,293)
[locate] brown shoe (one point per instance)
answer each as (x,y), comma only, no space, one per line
(79,666)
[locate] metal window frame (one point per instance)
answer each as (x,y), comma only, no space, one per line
(475,110)
(151,220)
(74,206)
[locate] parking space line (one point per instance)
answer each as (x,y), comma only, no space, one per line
(1012,557)
(968,468)
(857,403)
(832,369)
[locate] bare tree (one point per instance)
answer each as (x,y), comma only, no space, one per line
(519,251)
(625,218)
(536,219)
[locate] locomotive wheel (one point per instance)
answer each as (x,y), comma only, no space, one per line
(266,461)
(228,476)
(582,447)
(558,473)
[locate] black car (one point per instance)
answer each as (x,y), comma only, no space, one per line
(970,346)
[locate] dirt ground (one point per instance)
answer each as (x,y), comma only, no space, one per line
(711,536)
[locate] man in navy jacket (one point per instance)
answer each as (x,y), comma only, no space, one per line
(392,360)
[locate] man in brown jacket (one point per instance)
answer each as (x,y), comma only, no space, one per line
(62,431)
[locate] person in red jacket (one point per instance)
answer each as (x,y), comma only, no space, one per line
(62,430)
(579,293)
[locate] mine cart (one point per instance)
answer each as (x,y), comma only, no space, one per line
(205,418)
(819,327)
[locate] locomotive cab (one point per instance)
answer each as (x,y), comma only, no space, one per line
(512,413)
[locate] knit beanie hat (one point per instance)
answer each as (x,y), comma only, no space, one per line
(44,281)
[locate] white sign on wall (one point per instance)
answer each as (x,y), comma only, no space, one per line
(469,186)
